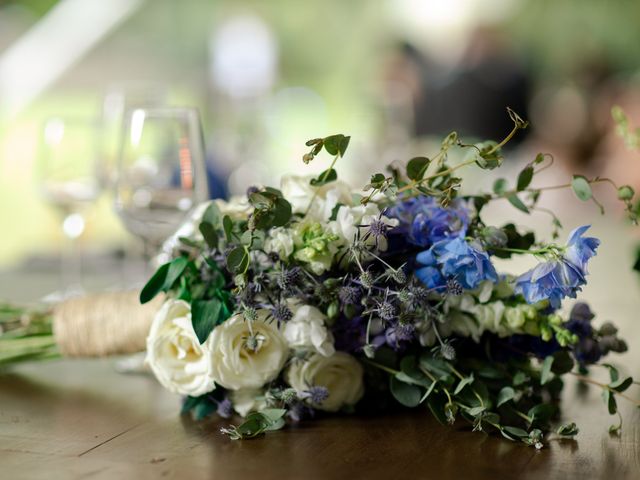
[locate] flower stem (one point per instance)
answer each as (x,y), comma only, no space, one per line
(585,379)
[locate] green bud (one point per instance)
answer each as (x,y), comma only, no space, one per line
(555,319)
(333,310)
(545,333)
(625,192)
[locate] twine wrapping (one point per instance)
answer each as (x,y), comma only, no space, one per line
(103,324)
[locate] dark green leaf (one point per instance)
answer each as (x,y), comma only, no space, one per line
(212,215)
(610,401)
(568,430)
(281,213)
(205,315)
(516,202)
(581,188)
(417,167)
(505,395)
(209,234)
(515,433)
(227,225)
(539,159)
(500,186)
(325,177)
(377,180)
(562,362)
(155,284)
(545,372)
(238,260)
(621,385)
(176,267)
(613,372)
(336,144)
(541,413)
(525,177)
(463,383)
(406,394)
(436,404)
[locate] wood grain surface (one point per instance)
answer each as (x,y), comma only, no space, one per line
(81,419)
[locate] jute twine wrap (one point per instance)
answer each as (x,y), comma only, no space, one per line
(103,324)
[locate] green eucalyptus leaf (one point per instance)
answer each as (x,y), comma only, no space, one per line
(516,202)
(545,372)
(209,234)
(463,383)
(500,186)
(524,178)
(506,394)
(581,188)
(282,213)
(562,362)
(417,167)
(155,284)
(514,433)
(227,225)
(568,430)
(610,400)
(621,384)
(212,215)
(405,393)
(238,260)
(325,177)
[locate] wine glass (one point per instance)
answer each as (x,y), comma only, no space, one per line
(67,177)
(161,172)
(118,100)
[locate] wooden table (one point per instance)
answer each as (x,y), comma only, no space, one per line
(82,419)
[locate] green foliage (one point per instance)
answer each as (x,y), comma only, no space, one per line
(581,188)
(257,423)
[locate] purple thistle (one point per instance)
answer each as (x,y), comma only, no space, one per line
(349,295)
(225,408)
(316,394)
(281,313)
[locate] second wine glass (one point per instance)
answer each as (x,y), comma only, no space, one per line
(161,172)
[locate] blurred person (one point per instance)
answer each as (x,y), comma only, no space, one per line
(470,97)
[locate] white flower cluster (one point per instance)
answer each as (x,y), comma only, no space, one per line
(244,356)
(476,312)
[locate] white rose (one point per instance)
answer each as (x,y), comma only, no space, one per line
(348,218)
(280,241)
(174,353)
(248,400)
(307,329)
(235,364)
(298,192)
(238,207)
(340,374)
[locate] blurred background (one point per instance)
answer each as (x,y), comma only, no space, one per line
(88,85)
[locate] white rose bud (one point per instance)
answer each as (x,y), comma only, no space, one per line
(307,329)
(174,353)
(340,374)
(280,241)
(247,354)
(248,400)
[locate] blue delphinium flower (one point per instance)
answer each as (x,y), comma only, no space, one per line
(424,221)
(456,259)
(562,277)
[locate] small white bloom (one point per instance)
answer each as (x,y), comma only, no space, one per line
(174,353)
(307,329)
(340,374)
(247,354)
(248,400)
(280,241)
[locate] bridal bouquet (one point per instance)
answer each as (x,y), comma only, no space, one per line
(315,297)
